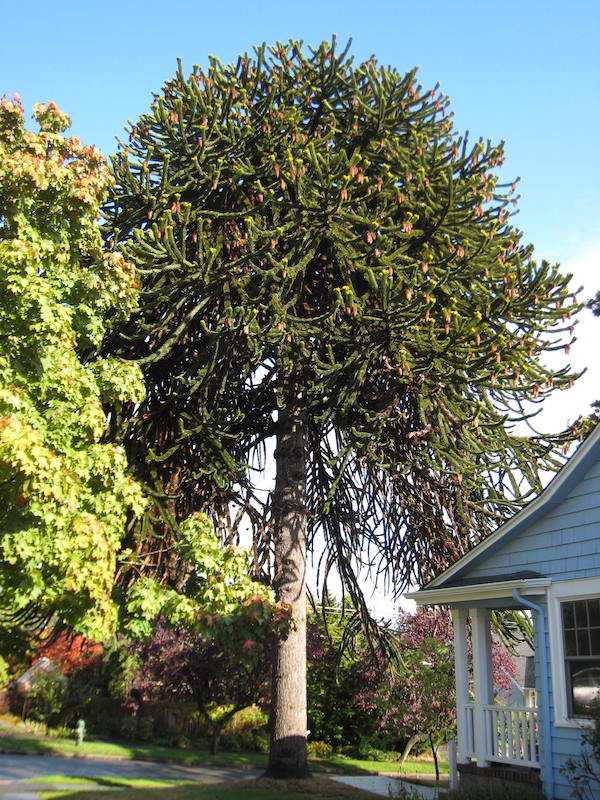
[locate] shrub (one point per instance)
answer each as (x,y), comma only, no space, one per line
(583,771)
(319,749)
(128,728)
(46,699)
(246,721)
(145,729)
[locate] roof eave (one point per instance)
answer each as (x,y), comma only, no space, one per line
(448,595)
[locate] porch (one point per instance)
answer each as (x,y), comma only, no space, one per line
(510,735)
(489,734)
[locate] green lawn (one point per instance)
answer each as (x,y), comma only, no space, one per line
(50,745)
(129,783)
(355,766)
(56,746)
(257,789)
(16,741)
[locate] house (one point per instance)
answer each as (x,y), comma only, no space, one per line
(545,560)
(29,678)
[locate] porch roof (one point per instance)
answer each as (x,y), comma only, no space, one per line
(494,590)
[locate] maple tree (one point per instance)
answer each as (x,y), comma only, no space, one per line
(69,652)
(327,264)
(65,489)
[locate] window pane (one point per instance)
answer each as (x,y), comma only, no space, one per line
(595,640)
(568,615)
(585,686)
(583,643)
(594,612)
(570,643)
(581,620)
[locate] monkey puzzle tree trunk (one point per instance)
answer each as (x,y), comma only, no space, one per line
(288,758)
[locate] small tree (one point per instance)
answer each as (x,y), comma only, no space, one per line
(71,652)
(65,490)
(45,701)
(4,673)
(418,698)
(218,676)
(425,690)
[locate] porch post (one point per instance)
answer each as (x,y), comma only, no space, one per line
(482,678)
(461,669)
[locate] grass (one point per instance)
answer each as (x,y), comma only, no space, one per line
(14,740)
(44,745)
(50,745)
(254,789)
(130,783)
(354,766)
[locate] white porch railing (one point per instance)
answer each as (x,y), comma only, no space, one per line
(511,734)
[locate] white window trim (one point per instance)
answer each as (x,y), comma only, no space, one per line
(559,592)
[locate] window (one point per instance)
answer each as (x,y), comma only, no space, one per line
(581,640)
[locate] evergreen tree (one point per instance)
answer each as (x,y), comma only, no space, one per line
(324,260)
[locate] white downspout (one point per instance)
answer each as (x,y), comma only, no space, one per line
(549,789)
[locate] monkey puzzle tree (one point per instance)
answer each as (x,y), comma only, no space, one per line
(325,261)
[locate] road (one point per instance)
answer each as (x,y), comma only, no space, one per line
(16,769)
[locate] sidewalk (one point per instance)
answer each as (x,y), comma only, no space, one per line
(19,790)
(383,785)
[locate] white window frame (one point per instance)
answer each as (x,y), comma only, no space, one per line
(560,592)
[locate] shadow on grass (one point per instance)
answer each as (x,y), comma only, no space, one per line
(337,766)
(25,745)
(317,787)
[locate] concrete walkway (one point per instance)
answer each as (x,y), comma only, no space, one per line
(386,787)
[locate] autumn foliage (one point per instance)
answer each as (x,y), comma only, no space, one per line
(70,652)
(64,487)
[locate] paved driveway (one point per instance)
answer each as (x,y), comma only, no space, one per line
(14,770)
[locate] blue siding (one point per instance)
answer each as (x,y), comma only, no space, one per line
(563,544)
(566,743)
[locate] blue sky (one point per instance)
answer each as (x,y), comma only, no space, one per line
(527,72)
(523,71)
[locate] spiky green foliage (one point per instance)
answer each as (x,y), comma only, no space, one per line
(314,236)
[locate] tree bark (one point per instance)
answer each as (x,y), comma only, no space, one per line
(288,756)
(215,738)
(435,757)
(416,737)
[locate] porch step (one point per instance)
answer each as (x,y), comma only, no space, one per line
(515,774)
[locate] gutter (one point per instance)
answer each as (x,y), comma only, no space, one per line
(479,591)
(549,788)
